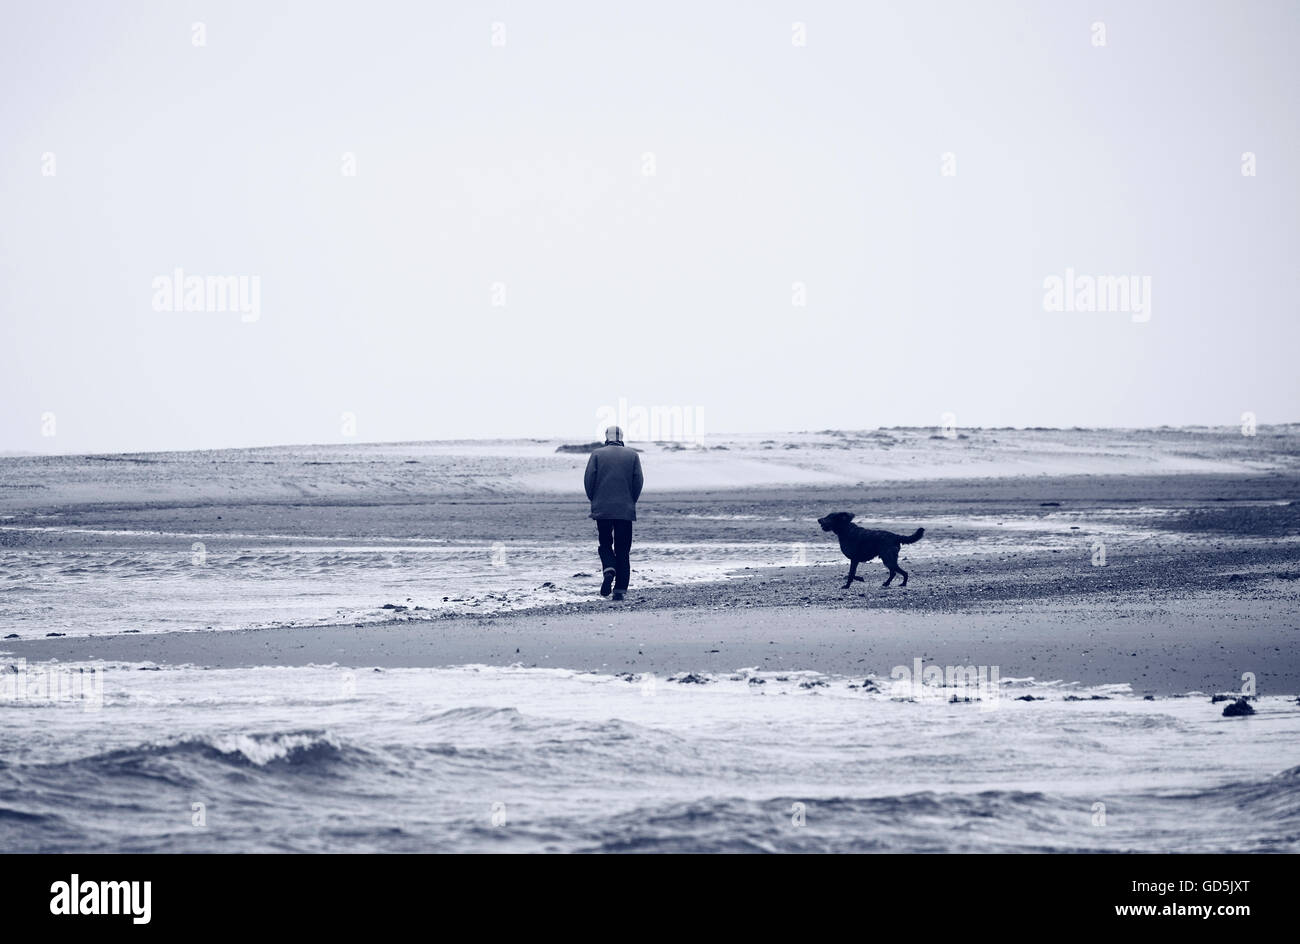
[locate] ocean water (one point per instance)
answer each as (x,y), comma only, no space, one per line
(479,758)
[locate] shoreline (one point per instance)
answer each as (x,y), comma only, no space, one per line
(1178,651)
(1200,584)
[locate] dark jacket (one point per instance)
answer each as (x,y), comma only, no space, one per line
(613,482)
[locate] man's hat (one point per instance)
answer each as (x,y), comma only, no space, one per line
(613,434)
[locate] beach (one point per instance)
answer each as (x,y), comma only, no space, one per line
(449,590)
(1176,650)
(1198,582)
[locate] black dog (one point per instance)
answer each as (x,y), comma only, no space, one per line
(860,545)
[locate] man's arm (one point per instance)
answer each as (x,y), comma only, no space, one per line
(589,480)
(638,479)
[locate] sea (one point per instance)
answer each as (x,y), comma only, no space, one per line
(509,759)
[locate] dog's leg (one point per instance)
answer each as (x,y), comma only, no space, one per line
(853,575)
(890,561)
(904,573)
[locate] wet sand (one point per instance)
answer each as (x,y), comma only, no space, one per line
(1210,590)
(1193,645)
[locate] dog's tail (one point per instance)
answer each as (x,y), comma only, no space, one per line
(913,537)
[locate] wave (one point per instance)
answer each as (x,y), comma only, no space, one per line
(1276,797)
(8,815)
(1250,816)
(918,822)
(243,776)
(297,749)
(476,716)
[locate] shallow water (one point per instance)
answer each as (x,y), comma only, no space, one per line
(115,580)
(513,759)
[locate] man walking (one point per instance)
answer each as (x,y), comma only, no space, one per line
(613,482)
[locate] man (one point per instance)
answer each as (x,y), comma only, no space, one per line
(613,482)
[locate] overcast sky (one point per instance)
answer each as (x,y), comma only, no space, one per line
(642,185)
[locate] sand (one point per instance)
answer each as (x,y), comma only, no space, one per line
(1186,649)
(1201,582)
(1166,617)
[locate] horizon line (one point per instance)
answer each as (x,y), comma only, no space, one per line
(23,454)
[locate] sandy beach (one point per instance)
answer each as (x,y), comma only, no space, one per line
(401,647)
(1199,583)
(1176,649)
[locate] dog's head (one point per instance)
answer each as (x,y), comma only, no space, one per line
(835,520)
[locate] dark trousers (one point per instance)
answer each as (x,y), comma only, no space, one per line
(616,548)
